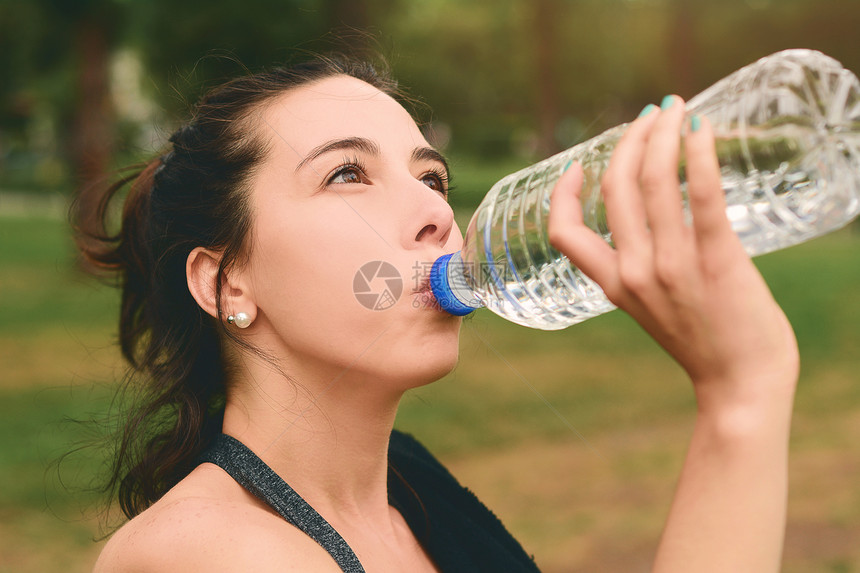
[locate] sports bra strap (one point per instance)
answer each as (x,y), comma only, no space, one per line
(253,474)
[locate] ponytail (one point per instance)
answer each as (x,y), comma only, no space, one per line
(172,398)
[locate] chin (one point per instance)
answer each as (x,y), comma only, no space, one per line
(420,364)
(439,355)
(436,370)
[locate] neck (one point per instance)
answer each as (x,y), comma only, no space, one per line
(328,439)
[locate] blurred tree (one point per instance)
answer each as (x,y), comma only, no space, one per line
(348,15)
(193,44)
(546,82)
(55,58)
(187,46)
(473,63)
(682,46)
(93,25)
(507,76)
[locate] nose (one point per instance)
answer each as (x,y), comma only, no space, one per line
(431,219)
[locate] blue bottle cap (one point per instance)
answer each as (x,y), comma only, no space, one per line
(442,289)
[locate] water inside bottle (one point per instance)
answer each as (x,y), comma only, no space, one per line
(776,185)
(774,179)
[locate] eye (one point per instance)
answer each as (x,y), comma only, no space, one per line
(347,174)
(436,181)
(351,170)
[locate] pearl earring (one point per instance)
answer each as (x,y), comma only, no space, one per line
(242,320)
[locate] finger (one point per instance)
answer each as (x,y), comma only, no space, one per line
(625,212)
(661,188)
(567,232)
(704,187)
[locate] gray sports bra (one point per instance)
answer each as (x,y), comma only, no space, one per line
(253,474)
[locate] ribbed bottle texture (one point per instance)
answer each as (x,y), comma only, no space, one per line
(787,130)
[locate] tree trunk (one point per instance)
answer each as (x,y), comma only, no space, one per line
(92,136)
(681,46)
(546,13)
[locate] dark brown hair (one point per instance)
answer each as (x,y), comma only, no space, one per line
(194,195)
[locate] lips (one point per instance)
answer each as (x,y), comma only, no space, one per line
(423,286)
(425,296)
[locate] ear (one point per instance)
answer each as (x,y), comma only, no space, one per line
(201,271)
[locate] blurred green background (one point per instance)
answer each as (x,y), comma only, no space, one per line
(574,438)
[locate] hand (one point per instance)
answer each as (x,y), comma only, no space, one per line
(692,288)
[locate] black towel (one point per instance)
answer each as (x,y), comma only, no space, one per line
(454,527)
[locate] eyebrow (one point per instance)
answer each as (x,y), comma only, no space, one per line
(350,143)
(364,145)
(430,154)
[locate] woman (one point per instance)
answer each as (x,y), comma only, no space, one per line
(237,255)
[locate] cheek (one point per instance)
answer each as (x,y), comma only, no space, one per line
(311,310)
(304,270)
(303,278)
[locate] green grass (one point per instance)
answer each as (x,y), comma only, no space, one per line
(599,403)
(41,286)
(37,459)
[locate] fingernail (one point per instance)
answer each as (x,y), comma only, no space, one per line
(695,123)
(567,165)
(667,102)
(647,109)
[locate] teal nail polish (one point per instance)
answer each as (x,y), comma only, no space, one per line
(695,123)
(567,165)
(667,102)
(647,109)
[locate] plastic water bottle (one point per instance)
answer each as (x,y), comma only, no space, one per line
(787,131)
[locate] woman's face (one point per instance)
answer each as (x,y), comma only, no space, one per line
(349,205)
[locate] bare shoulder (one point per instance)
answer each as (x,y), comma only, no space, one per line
(196,527)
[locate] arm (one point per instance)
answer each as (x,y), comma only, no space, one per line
(695,291)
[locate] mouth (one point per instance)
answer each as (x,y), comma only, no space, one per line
(424,295)
(423,285)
